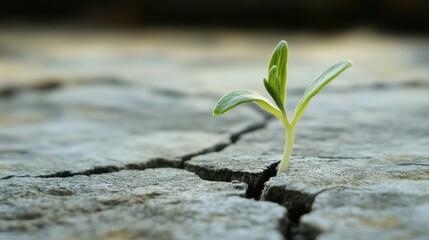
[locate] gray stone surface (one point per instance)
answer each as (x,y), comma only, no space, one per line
(366,168)
(355,198)
(389,123)
(150,204)
(76,103)
(104,127)
(388,210)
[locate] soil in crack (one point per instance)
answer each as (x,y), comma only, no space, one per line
(254,181)
(297,204)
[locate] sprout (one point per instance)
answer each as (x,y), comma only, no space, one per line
(276,87)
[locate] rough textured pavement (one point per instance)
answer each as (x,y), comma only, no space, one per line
(109,135)
(155,203)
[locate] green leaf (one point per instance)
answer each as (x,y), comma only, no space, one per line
(279,59)
(274,80)
(238,97)
(317,85)
(272,86)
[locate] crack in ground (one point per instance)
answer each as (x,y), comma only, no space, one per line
(335,158)
(51,84)
(255,182)
(11,176)
(413,164)
(216,148)
(254,189)
(43,86)
(297,203)
(153,163)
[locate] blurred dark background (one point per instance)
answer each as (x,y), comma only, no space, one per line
(396,15)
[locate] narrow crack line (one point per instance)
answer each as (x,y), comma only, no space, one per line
(9,92)
(12,176)
(178,93)
(53,84)
(15,176)
(153,163)
(413,164)
(216,148)
(92,171)
(43,86)
(340,157)
(234,137)
(328,189)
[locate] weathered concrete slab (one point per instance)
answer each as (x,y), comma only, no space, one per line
(389,210)
(96,102)
(154,204)
(97,128)
(365,165)
(355,198)
(390,123)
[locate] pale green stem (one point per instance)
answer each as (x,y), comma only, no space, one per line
(290,135)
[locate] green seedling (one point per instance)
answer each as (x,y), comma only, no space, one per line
(276,87)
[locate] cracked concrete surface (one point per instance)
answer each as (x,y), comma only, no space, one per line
(81,126)
(86,128)
(155,203)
